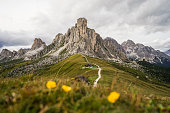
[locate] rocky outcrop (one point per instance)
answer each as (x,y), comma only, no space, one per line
(37,44)
(115,48)
(21,51)
(141,52)
(6,55)
(81,39)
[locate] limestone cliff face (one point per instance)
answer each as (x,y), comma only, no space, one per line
(81,39)
(37,44)
(6,55)
(115,48)
(21,51)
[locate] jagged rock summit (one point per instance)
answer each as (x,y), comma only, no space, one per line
(7,55)
(115,48)
(79,39)
(37,44)
(140,52)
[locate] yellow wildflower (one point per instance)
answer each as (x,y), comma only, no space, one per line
(51,84)
(113,97)
(66,88)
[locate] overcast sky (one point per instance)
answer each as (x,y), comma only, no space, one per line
(143,21)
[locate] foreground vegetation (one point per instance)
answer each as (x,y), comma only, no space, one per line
(29,94)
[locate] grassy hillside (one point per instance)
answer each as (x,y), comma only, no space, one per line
(28,93)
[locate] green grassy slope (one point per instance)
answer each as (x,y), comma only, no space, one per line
(70,67)
(28,94)
(109,71)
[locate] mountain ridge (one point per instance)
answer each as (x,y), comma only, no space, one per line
(141,52)
(79,39)
(167,52)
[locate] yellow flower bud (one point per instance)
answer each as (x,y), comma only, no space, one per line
(112,98)
(66,88)
(51,84)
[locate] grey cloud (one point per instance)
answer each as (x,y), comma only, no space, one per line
(105,16)
(165,44)
(13,39)
(154,15)
(1,44)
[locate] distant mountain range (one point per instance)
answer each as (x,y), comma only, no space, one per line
(141,52)
(80,39)
(167,52)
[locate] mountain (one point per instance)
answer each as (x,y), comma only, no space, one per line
(167,52)
(83,40)
(115,48)
(7,55)
(140,52)
(80,39)
(38,43)
(37,46)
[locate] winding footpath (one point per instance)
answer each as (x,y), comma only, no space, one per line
(99,76)
(99,72)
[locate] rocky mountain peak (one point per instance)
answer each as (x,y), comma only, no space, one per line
(37,44)
(79,39)
(22,51)
(141,52)
(82,22)
(115,48)
(110,40)
(128,42)
(6,53)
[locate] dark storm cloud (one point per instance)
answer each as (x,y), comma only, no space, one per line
(1,44)
(14,39)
